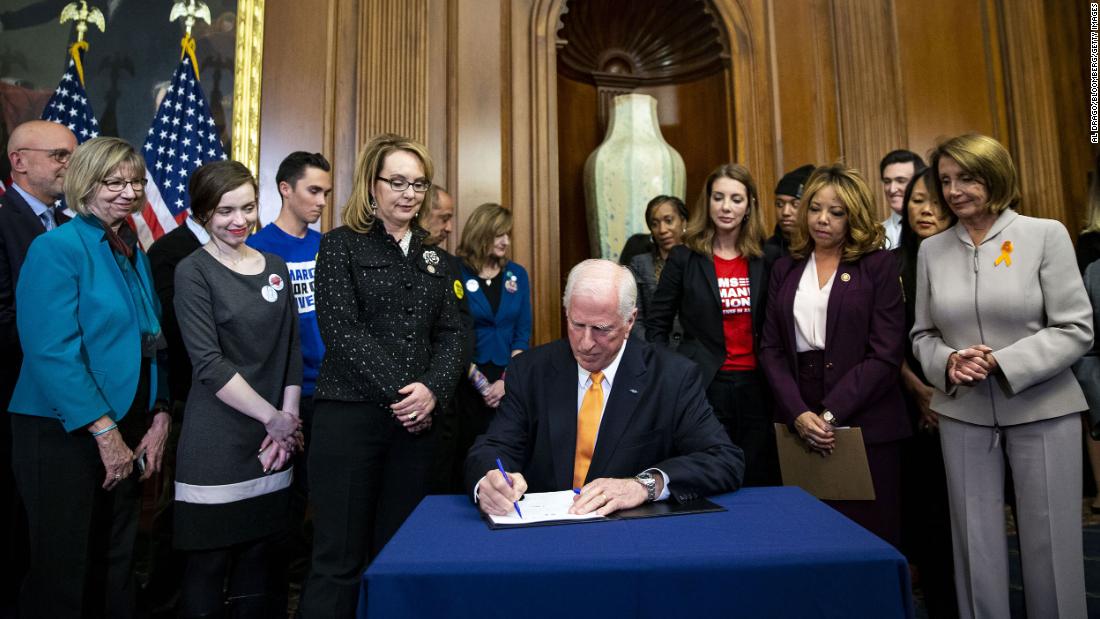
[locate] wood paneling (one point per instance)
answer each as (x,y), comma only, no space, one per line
(294,86)
(804,93)
(393,91)
(950,84)
(813,80)
(1033,127)
(578,135)
(869,95)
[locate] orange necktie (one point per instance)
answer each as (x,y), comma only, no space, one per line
(588,422)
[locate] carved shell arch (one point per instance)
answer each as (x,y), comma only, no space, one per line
(651,42)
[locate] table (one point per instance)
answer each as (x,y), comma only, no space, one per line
(776,552)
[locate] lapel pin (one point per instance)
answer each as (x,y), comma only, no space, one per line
(634,391)
(845,277)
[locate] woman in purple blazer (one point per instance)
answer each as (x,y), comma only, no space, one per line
(834,337)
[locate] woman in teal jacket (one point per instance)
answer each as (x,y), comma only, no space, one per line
(82,437)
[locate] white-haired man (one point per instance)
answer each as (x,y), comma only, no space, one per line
(639,428)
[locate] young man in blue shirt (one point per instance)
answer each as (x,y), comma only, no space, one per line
(305,184)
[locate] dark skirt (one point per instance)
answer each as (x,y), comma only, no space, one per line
(881,516)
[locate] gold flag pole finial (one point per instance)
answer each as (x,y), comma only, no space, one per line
(190,10)
(82,16)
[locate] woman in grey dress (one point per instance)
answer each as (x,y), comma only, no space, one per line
(239,321)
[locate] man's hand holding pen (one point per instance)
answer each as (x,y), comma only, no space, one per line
(496,497)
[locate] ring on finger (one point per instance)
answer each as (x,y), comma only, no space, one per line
(412,416)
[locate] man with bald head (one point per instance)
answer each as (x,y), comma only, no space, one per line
(39,154)
(622,420)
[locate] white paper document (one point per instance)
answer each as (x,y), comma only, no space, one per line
(543,507)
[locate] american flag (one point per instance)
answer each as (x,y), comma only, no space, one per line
(182,138)
(69,105)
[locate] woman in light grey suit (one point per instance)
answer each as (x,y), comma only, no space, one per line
(1001,315)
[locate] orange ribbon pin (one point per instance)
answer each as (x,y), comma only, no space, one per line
(1006,254)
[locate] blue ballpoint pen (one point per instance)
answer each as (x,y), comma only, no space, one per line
(500,465)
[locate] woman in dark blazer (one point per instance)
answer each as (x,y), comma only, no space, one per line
(835,336)
(394,342)
(667,217)
(82,432)
(498,294)
(716,282)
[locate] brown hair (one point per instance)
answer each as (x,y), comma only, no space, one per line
(212,181)
(987,160)
(699,236)
(864,235)
(92,162)
(359,211)
(487,222)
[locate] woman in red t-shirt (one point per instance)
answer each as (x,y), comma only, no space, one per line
(717,283)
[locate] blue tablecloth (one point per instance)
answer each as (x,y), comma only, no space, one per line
(776,552)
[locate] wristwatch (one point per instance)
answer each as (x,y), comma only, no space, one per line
(829,417)
(650,485)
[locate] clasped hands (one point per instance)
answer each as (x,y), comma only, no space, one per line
(603,496)
(414,411)
(817,432)
(284,439)
(971,365)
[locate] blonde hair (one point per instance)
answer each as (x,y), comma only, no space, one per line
(699,236)
(359,211)
(864,234)
(986,159)
(487,222)
(92,162)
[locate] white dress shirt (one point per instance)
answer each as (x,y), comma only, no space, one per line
(893,231)
(811,306)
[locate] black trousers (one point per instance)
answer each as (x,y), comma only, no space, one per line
(740,403)
(366,475)
(241,579)
(81,536)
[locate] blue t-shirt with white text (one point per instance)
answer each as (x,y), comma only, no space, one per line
(301,261)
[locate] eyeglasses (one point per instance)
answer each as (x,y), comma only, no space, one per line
(118,184)
(400,184)
(59,155)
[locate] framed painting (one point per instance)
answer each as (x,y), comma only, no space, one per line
(128,65)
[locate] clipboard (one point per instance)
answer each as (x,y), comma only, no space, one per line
(842,476)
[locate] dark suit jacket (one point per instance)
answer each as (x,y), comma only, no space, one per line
(689,287)
(864,346)
(18,227)
(164,255)
(657,416)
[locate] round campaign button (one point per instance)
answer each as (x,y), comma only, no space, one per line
(269,294)
(275,281)
(458,289)
(471,285)
(511,285)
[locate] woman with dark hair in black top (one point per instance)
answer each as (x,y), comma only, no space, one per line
(925,523)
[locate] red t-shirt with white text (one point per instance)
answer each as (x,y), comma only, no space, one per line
(736,304)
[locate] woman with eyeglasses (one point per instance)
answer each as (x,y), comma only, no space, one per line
(87,423)
(394,342)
